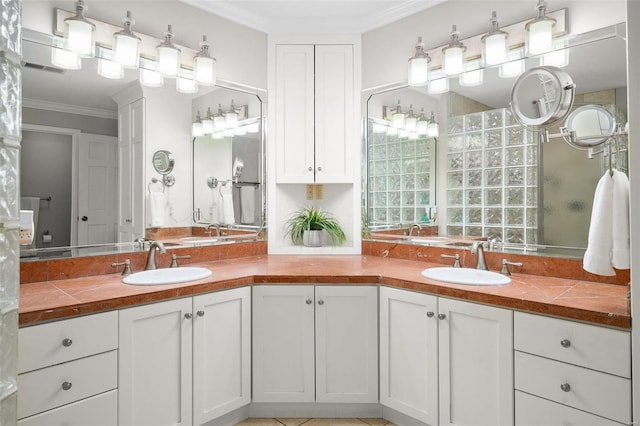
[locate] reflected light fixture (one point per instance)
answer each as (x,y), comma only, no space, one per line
(217,135)
(539,32)
(411,121)
(126,45)
(207,123)
(231,117)
(151,78)
(437,86)
(110,69)
(557,58)
(421,125)
(494,43)
(398,117)
(66,59)
(514,67)
(204,66)
(219,120)
(392,131)
(419,66)
(433,129)
(253,128)
(240,131)
(168,56)
(197,128)
(453,54)
(186,85)
(473,75)
(79,32)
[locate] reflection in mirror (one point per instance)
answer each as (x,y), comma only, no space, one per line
(592,125)
(162,162)
(497,179)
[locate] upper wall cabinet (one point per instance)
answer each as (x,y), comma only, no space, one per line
(314,113)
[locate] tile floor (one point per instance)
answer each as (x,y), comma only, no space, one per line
(314,422)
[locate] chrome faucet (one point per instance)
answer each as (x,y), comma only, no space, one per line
(217,228)
(151,257)
(413,227)
(478,246)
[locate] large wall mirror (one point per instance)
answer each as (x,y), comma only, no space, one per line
(494,178)
(70,117)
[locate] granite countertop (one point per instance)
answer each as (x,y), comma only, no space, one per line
(598,303)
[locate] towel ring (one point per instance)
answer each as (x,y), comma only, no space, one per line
(155,180)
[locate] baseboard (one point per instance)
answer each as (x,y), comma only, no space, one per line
(400,419)
(229,419)
(315,410)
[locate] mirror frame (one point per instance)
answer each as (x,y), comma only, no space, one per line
(589,141)
(164,157)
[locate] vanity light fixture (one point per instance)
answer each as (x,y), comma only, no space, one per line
(433,129)
(219,120)
(197,128)
(514,67)
(419,66)
(204,66)
(411,121)
(494,43)
(217,135)
(231,117)
(539,32)
(151,78)
(79,32)
(168,55)
(66,59)
(422,124)
(207,123)
(473,74)
(186,85)
(453,54)
(557,58)
(437,86)
(126,45)
(398,118)
(110,69)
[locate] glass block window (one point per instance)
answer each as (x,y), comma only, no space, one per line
(401,183)
(492,178)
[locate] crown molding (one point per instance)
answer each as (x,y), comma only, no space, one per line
(69,109)
(386,15)
(232,13)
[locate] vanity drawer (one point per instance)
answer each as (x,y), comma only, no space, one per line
(99,410)
(61,341)
(534,411)
(44,389)
(598,393)
(590,346)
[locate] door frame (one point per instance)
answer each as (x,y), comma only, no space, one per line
(75,138)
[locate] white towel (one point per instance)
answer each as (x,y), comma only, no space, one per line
(247,204)
(156,209)
(228,217)
(621,245)
(215,210)
(597,258)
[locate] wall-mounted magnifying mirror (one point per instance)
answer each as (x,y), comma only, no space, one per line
(162,162)
(592,125)
(542,96)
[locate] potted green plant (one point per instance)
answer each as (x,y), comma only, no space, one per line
(305,227)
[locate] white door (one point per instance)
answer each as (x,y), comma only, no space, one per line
(97,186)
(335,134)
(154,364)
(221,353)
(409,353)
(124,174)
(347,344)
(476,364)
(283,343)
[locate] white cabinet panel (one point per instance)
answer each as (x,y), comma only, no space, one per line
(99,410)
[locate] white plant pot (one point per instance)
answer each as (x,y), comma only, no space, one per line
(312,238)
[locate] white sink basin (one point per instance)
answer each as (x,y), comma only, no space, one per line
(430,240)
(466,276)
(203,240)
(167,276)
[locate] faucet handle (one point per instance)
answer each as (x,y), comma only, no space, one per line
(456,257)
(175,257)
(127,266)
(505,267)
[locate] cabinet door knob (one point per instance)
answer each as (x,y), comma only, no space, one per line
(310,169)
(66,386)
(67,342)
(320,302)
(200,313)
(319,168)
(309,301)
(442,316)
(430,314)
(566,387)
(565,343)
(188,315)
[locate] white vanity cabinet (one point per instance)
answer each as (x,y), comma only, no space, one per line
(570,373)
(68,372)
(185,361)
(315,117)
(315,343)
(445,362)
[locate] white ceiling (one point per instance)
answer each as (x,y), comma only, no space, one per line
(313,16)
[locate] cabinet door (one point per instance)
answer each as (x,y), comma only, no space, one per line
(124,174)
(294,114)
(334,114)
(346,344)
(476,364)
(409,353)
(221,353)
(283,344)
(154,364)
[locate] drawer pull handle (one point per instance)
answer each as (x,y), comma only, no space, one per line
(430,314)
(566,387)
(309,301)
(66,386)
(565,343)
(441,316)
(67,342)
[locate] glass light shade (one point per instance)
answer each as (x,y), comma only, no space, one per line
(512,69)
(219,122)
(471,78)
(204,69)
(539,36)
(168,61)
(413,136)
(79,37)
(410,123)
(495,49)
(126,50)
(453,60)
(231,119)
(197,129)
(217,135)
(240,131)
(418,71)
(186,85)
(110,69)
(557,58)
(207,126)
(421,126)
(440,85)
(65,59)
(150,78)
(398,120)
(253,128)
(433,130)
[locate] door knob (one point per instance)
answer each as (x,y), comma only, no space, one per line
(319,168)
(200,313)
(84,218)
(67,342)
(430,314)
(309,301)
(320,302)
(66,386)
(441,316)
(565,343)
(188,315)
(310,169)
